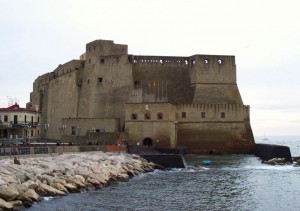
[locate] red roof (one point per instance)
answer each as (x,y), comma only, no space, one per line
(16,107)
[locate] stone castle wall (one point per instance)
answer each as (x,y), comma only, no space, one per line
(107,85)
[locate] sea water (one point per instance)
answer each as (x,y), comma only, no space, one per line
(231,182)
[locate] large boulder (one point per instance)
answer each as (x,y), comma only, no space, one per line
(5,205)
(17,204)
(29,196)
(46,190)
(8,193)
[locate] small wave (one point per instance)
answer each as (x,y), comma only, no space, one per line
(47,198)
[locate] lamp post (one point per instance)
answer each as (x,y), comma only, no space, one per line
(78,133)
(46,126)
(9,126)
(26,132)
(62,130)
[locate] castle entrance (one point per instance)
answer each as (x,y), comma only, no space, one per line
(147,142)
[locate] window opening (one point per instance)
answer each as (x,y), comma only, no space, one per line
(159,115)
(183,114)
(133,116)
(202,114)
(222,115)
(147,116)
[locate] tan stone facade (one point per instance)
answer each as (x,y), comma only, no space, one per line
(164,101)
(19,123)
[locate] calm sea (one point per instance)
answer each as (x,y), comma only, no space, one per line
(231,182)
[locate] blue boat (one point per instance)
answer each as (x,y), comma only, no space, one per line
(206,162)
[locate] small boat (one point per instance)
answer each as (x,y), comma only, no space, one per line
(265,138)
(206,162)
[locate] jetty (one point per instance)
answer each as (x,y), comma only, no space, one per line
(24,180)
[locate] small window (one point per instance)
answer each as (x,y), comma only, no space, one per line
(5,118)
(73,131)
(100,80)
(94,47)
(220,61)
(193,62)
(137,84)
(202,114)
(133,116)
(89,49)
(102,61)
(159,115)
(88,81)
(222,115)
(147,116)
(89,61)
(183,114)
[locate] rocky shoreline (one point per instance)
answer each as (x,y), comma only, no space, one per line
(24,181)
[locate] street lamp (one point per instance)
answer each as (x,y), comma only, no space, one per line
(46,126)
(78,133)
(62,130)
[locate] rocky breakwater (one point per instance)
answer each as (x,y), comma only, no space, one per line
(24,181)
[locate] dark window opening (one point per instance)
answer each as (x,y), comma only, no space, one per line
(183,114)
(88,81)
(102,61)
(133,116)
(100,80)
(73,130)
(222,115)
(94,47)
(147,142)
(202,114)
(89,61)
(147,116)
(137,84)
(89,49)
(5,118)
(159,115)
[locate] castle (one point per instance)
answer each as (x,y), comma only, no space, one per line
(160,101)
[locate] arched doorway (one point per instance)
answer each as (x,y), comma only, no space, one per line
(147,142)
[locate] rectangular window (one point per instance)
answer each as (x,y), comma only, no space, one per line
(222,115)
(100,80)
(133,116)
(147,116)
(73,130)
(5,118)
(102,61)
(202,114)
(159,115)
(183,114)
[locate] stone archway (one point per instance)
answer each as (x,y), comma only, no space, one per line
(147,142)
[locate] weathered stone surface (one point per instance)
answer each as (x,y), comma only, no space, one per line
(60,186)
(80,178)
(17,205)
(29,196)
(46,190)
(5,205)
(7,193)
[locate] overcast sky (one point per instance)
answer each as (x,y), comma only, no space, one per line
(264,35)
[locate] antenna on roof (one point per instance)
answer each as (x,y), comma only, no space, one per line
(10,101)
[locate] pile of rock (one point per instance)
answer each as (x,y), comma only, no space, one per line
(276,161)
(22,184)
